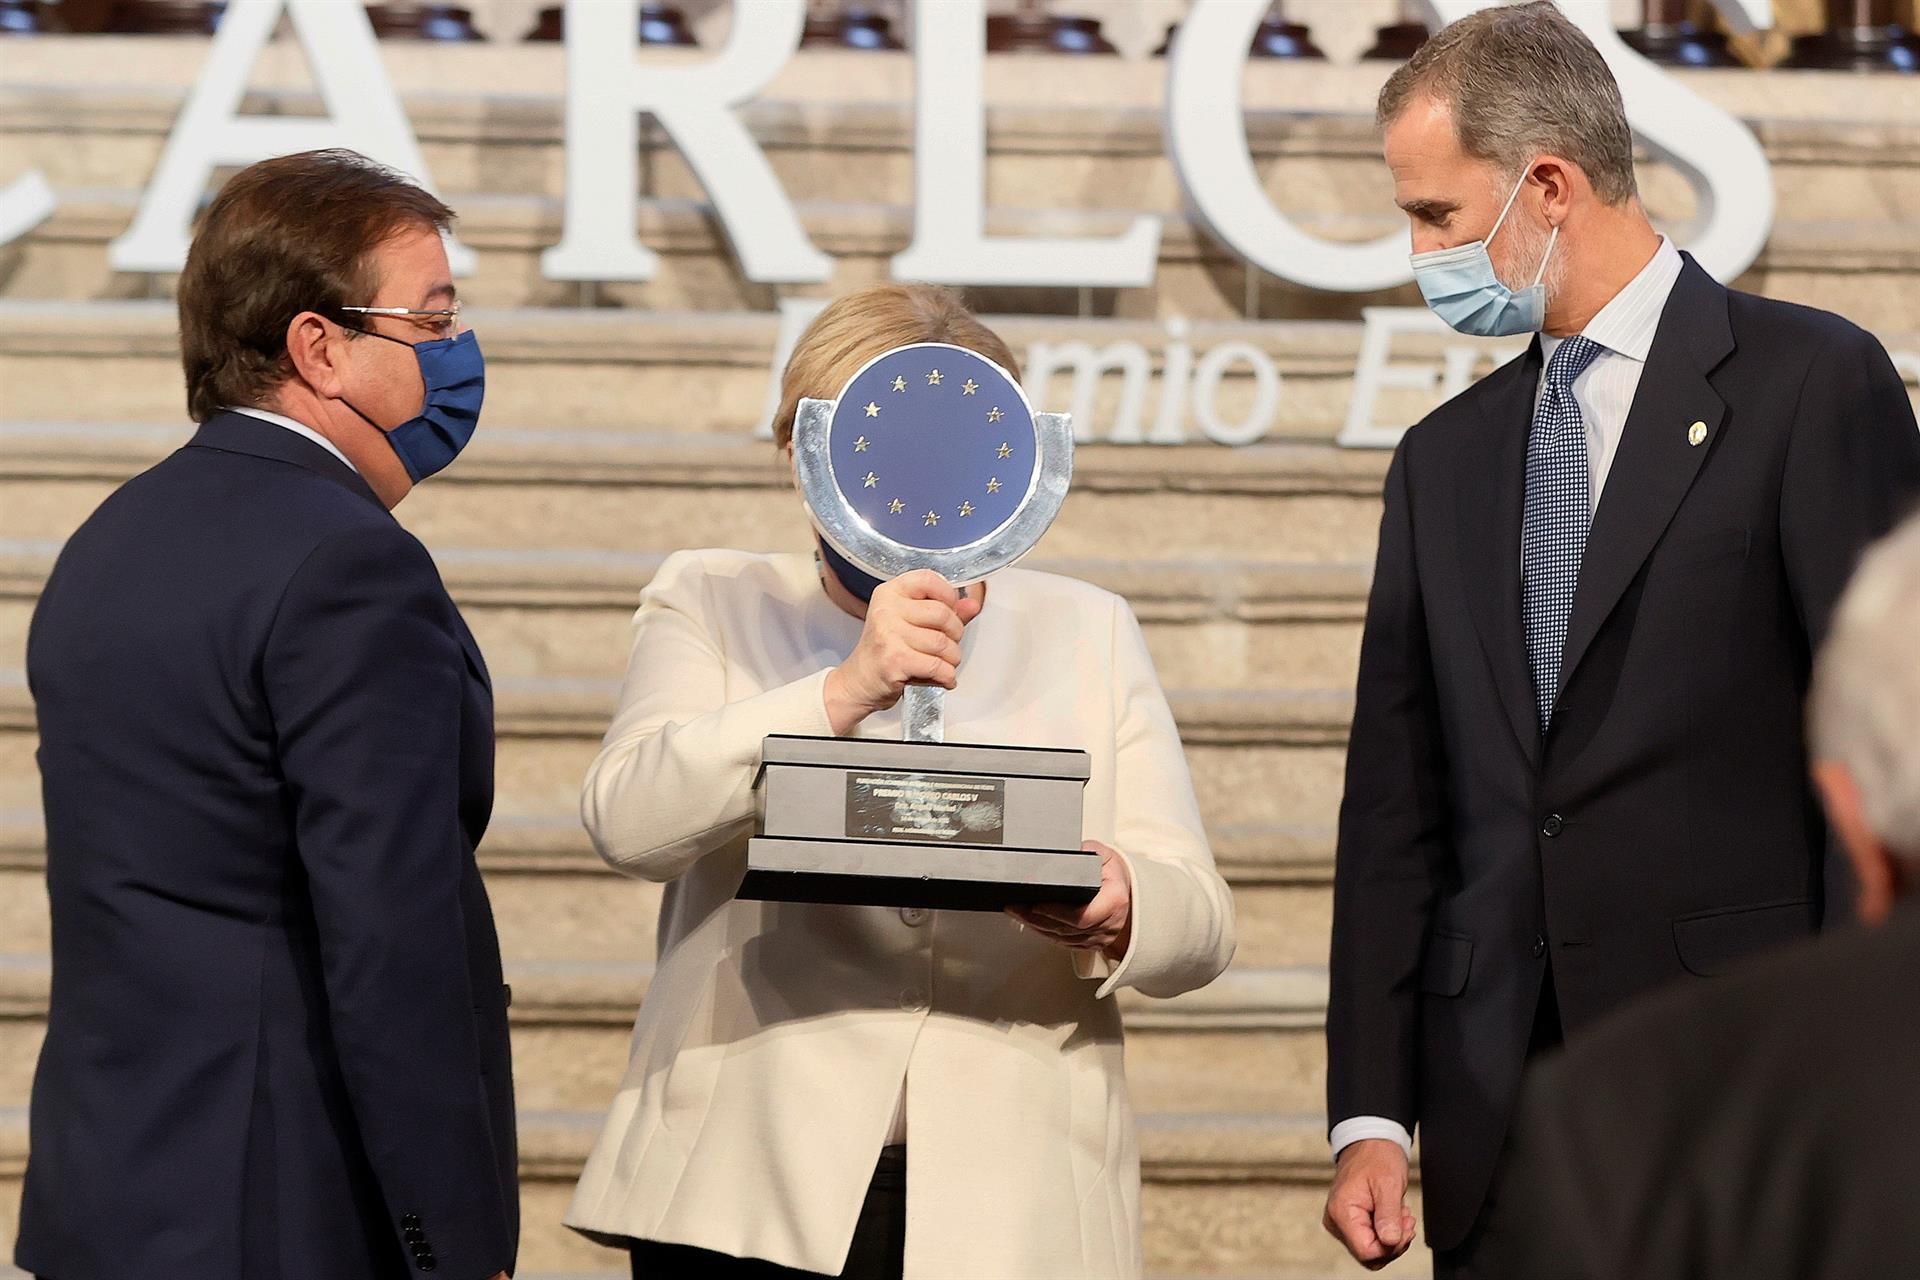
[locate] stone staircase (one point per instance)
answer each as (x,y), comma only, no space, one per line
(546,538)
(619,428)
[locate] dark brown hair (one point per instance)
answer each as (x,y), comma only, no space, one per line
(291,234)
(859,326)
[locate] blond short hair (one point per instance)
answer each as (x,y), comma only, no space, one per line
(859,326)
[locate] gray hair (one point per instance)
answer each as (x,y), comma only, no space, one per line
(1865,702)
(1521,82)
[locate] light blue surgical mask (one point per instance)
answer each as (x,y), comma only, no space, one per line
(455,375)
(1461,287)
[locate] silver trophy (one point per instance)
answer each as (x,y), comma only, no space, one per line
(932,458)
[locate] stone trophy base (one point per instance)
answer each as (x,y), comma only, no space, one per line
(868,822)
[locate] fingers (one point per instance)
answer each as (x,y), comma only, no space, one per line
(914,655)
(1082,917)
(925,584)
(1045,924)
(1051,923)
(1062,916)
(931,615)
(935,643)
(1367,1212)
(1351,1223)
(927,668)
(1392,1223)
(1049,927)
(1388,1215)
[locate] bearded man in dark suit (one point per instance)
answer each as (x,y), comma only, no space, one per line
(1577,769)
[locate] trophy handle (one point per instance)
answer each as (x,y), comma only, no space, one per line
(923,713)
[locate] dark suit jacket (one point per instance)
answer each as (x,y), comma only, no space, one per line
(1763,1128)
(277,1047)
(1665,826)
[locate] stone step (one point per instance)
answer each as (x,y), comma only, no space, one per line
(567,612)
(570,368)
(522,490)
(1065,135)
(1861,265)
(1223,1194)
(1252,1041)
(580,372)
(555,901)
(66,257)
(1262,762)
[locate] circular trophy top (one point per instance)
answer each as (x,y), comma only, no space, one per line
(931,457)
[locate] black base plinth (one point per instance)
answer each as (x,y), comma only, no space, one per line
(884,873)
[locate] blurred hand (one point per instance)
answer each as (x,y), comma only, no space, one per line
(1104,924)
(912,636)
(1367,1206)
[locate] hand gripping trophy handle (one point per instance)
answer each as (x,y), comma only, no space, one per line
(923,707)
(952,484)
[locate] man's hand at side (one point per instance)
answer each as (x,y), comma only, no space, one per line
(1367,1205)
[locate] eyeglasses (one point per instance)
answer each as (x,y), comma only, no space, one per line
(443,323)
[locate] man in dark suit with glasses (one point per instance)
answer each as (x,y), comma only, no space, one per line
(277,1044)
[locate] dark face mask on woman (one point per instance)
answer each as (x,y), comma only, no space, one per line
(859,583)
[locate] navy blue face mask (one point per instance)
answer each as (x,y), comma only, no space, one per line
(859,583)
(455,374)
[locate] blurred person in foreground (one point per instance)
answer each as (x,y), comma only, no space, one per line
(865,1091)
(277,1045)
(1763,1128)
(1577,765)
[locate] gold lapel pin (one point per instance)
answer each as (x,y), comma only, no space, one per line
(1697,433)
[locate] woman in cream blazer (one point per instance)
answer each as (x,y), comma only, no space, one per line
(787,1052)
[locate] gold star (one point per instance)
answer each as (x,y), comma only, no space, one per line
(899,384)
(860,445)
(896,506)
(1006,451)
(966,508)
(933,379)
(873,410)
(993,485)
(994,414)
(968,387)
(931,519)
(871,479)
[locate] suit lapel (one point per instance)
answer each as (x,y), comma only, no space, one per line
(1657,459)
(1489,541)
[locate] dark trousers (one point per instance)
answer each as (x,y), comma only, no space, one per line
(1460,1263)
(878,1252)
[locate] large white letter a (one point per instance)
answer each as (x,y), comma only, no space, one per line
(363,113)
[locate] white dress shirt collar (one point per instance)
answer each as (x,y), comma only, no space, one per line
(298,428)
(1626,325)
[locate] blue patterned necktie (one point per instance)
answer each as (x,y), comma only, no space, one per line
(1554,530)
